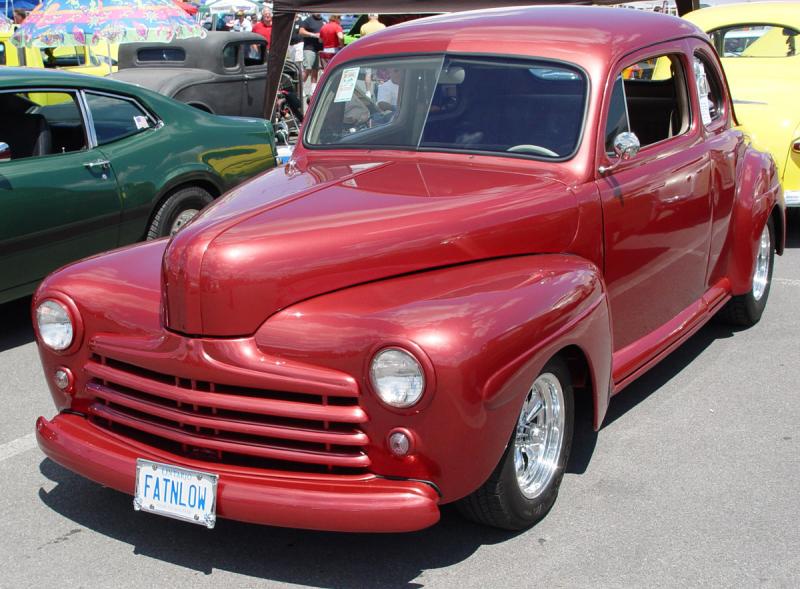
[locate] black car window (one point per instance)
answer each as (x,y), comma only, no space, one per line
(755,40)
(2,54)
(115,117)
(255,54)
(41,123)
(161,54)
(230,55)
(656,98)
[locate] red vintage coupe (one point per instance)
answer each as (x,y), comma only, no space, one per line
(492,217)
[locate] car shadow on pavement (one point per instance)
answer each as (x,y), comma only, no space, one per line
(17,330)
(319,559)
(793,228)
(637,392)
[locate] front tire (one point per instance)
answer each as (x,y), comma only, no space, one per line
(177,210)
(525,483)
(746,310)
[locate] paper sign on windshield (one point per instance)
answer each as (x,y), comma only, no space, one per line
(344,93)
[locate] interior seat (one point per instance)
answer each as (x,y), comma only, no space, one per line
(27,135)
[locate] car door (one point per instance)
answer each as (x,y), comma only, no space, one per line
(255,78)
(125,130)
(656,205)
(58,196)
(225,92)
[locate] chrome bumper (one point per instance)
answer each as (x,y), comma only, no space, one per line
(792,198)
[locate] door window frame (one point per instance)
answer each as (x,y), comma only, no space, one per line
(683,53)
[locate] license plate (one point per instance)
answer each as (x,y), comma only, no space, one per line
(176,492)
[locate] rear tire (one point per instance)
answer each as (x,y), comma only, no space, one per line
(524,485)
(177,210)
(746,310)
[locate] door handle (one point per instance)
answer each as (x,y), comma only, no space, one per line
(98,164)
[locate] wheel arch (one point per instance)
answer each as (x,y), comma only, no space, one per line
(758,195)
(204,181)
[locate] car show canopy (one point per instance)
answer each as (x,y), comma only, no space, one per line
(284,12)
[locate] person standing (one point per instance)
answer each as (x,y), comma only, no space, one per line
(309,30)
(372,25)
(264,26)
(241,24)
(332,37)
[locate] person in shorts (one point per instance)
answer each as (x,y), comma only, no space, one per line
(332,37)
(309,30)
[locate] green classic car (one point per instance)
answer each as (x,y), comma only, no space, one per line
(89,164)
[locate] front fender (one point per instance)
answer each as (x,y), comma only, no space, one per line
(483,331)
(758,192)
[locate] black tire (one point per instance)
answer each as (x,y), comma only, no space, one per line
(746,310)
(191,198)
(500,502)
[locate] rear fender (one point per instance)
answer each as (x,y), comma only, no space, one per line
(758,194)
(482,332)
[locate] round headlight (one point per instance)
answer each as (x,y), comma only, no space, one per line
(55,325)
(397,377)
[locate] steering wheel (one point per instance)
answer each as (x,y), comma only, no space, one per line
(528,148)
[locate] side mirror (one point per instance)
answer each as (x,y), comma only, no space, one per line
(626,146)
(5,152)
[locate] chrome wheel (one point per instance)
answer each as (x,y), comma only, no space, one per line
(539,435)
(761,272)
(182,219)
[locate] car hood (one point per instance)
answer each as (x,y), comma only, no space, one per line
(299,232)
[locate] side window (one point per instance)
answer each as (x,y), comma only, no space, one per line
(755,40)
(230,55)
(617,114)
(656,99)
(255,54)
(709,91)
(40,123)
(115,118)
(2,54)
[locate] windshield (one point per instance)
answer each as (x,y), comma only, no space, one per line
(523,107)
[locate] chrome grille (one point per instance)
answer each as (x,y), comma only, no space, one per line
(215,422)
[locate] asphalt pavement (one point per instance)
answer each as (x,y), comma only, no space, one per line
(693,481)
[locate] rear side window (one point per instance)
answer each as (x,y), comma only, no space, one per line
(255,54)
(755,40)
(161,54)
(709,91)
(115,118)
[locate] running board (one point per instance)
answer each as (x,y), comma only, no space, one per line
(633,360)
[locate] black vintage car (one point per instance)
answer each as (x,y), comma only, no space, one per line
(225,73)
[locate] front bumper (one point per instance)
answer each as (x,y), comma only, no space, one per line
(359,504)
(792,198)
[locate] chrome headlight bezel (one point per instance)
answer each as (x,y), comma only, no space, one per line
(57,324)
(385,384)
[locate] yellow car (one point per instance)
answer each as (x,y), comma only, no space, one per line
(759,45)
(79,59)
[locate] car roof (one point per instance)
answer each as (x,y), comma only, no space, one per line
(584,35)
(787,13)
(23,77)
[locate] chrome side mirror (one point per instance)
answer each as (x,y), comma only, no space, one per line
(5,152)
(626,146)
